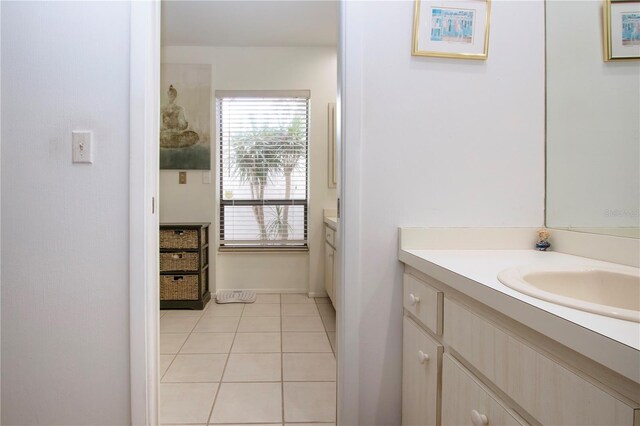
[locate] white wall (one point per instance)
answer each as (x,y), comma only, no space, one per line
(65,257)
(593,124)
(429,142)
(261,68)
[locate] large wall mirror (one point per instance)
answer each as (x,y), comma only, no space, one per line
(593,126)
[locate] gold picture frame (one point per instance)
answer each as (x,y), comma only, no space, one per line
(452,28)
(621,36)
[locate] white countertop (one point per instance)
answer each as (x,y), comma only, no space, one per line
(610,341)
(332,222)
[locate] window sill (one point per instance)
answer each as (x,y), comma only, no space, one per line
(263,250)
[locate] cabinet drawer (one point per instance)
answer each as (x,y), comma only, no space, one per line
(179,261)
(466,402)
(330,235)
(421,358)
(423,301)
(179,238)
(548,391)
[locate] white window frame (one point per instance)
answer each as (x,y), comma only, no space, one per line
(267,245)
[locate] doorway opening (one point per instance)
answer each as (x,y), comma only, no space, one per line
(247,201)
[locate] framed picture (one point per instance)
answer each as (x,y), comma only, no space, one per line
(451,28)
(185,117)
(621,30)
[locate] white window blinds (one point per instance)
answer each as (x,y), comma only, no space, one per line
(264,145)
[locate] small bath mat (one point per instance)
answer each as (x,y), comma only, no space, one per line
(237,296)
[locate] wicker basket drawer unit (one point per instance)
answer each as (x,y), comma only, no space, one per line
(179,261)
(179,238)
(182,287)
(184,265)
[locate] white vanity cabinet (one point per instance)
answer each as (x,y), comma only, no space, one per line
(421,358)
(465,401)
(330,263)
(492,370)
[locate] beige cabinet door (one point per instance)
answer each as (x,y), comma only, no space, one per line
(421,357)
(329,255)
(465,402)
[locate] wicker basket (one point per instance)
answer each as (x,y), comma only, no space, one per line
(179,238)
(179,287)
(185,261)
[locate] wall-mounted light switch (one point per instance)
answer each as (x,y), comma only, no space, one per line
(182,178)
(81,147)
(206,177)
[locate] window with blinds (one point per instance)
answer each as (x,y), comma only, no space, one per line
(264,145)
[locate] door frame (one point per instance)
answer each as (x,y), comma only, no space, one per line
(144,309)
(144,313)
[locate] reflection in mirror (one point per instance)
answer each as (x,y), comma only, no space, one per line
(593,126)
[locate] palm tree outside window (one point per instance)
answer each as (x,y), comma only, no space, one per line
(264,145)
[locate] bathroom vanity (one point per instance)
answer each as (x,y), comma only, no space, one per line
(330,228)
(476,352)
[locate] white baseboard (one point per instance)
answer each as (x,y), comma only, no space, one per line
(278,290)
(265,290)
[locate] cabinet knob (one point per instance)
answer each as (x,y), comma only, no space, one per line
(414,299)
(478,419)
(422,357)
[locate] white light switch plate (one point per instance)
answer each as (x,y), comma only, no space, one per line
(81,146)
(206,177)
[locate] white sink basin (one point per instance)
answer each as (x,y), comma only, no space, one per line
(613,292)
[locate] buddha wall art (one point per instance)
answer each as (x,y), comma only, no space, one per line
(185,117)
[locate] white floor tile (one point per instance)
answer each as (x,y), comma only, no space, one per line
(225,310)
(267,298)
(186,402)
(296,298)
(170,343)
(196,368)
(248,403)
(213,324)
(251,375)
(256,343)
(170,324)
(262,310)
(310,424)
(256,424)
(208,343)
(253,368)
(302,324)
(259,324)
(305,342)
(310,402)
(165,361)
(309,367)
(299,309)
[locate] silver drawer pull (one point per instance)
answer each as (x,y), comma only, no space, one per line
(478,419)
(422,357)
(414,299)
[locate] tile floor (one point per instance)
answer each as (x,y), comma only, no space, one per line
(267,363)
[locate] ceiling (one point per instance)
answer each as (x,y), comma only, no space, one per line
(249,23)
